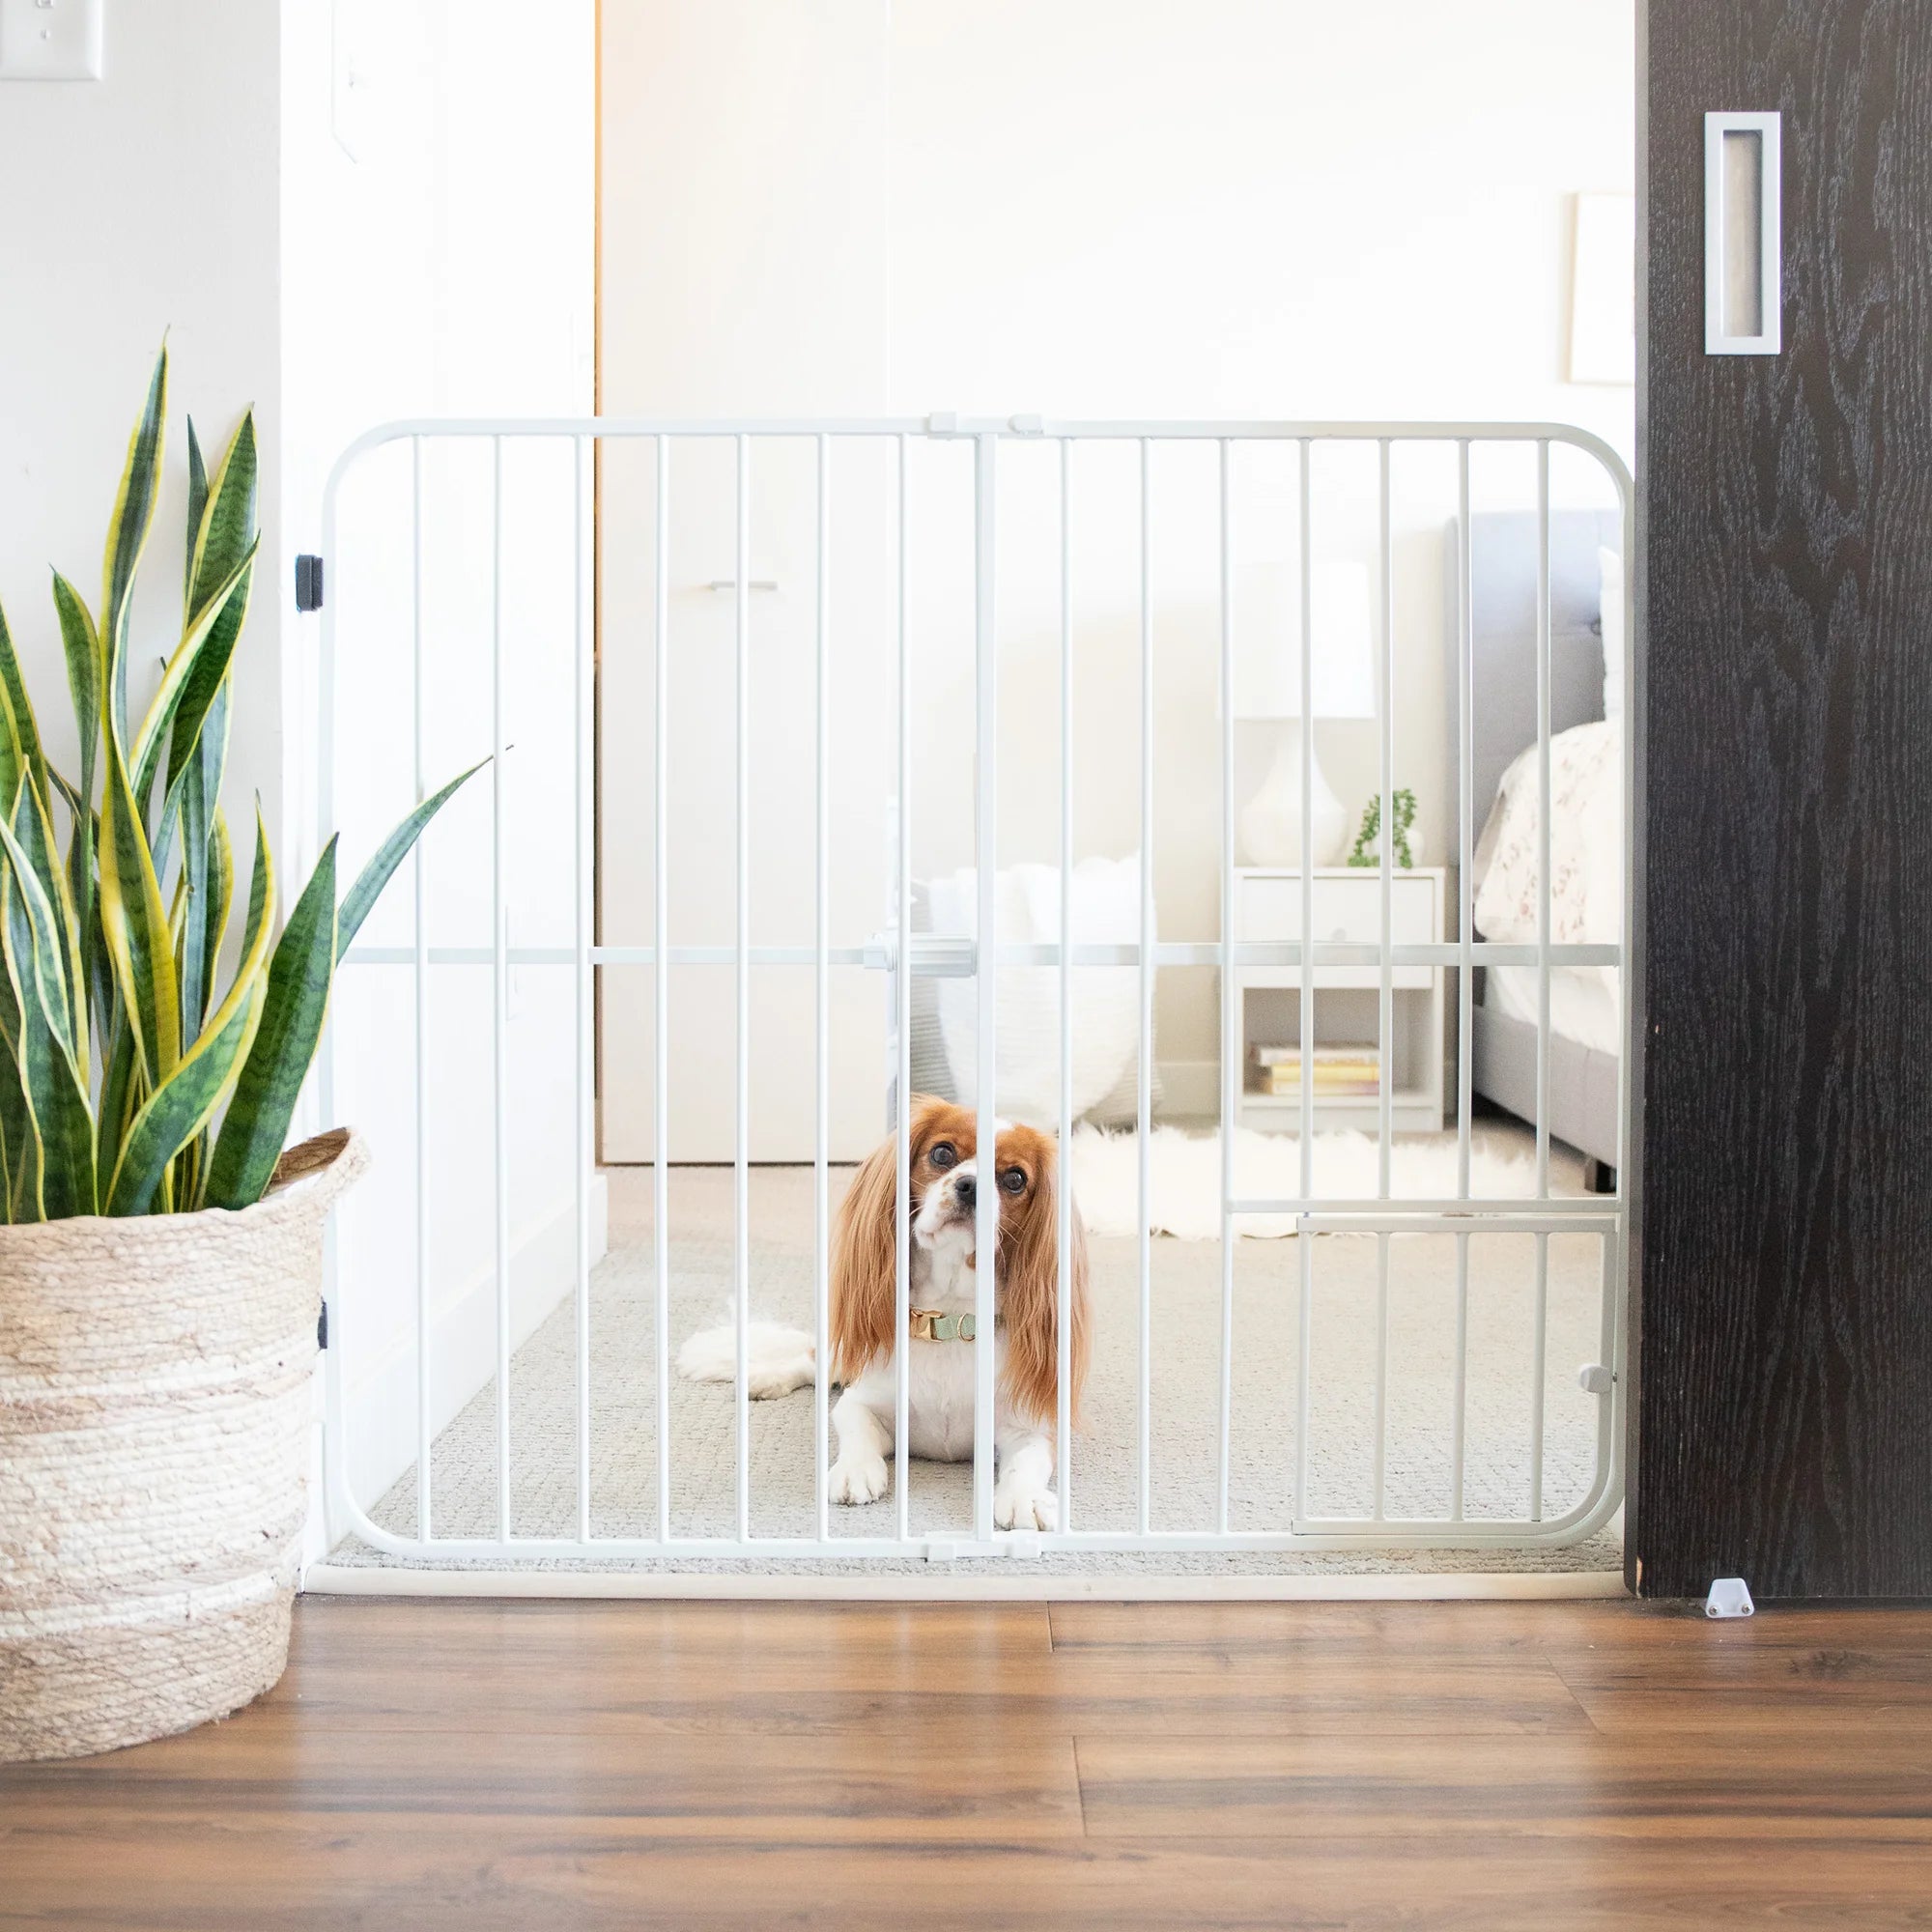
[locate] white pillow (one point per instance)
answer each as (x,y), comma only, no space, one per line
(1610,609)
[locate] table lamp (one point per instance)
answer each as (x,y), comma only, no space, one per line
(1268,688)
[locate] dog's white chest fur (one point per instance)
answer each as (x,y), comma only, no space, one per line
(940,1375)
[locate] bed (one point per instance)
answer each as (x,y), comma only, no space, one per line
(1587,819)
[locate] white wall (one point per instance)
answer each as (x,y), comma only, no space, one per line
(446,268)
(1162,207)
(203,188)
(145,201)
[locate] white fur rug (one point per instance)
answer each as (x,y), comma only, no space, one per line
(1184,1177)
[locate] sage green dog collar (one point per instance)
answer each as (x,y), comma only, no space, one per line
(928,1324)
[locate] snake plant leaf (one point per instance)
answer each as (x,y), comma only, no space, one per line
(31,862)
(197,502)
(185,1102)
(23,731)
(82,646)
(22,1182)
(121,1091)
(148,741)
(16,1122)
(222,529)
(201,741)
(191,904)
(393,850)
(300,972)
(56,1092)
(134,921)
(127,536)
(13,753)
(32,826)
(223,540)
(220,896)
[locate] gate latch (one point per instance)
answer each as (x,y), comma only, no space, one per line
(308,583)
(1594,1378)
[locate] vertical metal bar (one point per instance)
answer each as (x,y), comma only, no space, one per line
(902,1087)
(582,1086)
(1063,1201)
(1385,1005)
(740,1181)
(500,942)
(1144,1059)
(1305,725)
(336,1490)
(1230,992)
(821,1292)
(661,975)
(985,859)
(1456,1453)
(1464,978)
(1540,1348)
(1544,879)
(1304,1241)
(1616,1256)
(1386,1012)
(1543,832)
(1382,1372)
(425,1423)
(1466,838)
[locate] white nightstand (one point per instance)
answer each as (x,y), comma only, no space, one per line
(1347,907)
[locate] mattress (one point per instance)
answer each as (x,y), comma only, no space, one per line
(1586,908)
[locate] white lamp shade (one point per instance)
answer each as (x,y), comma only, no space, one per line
(1267,653)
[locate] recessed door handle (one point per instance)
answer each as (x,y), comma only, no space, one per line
(1743,270)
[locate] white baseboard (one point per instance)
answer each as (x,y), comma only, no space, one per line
(381,1405)
(937,1587)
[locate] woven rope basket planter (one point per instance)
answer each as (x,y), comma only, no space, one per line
(154,1421)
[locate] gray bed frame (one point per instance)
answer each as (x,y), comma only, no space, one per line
(1502,563)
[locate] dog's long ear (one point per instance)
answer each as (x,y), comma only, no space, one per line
(865,1256)
(1030,1274)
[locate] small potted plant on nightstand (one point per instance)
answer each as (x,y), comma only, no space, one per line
(159,1252)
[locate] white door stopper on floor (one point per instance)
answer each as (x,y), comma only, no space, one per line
(1728,1597)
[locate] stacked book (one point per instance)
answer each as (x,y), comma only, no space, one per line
(1340,1072)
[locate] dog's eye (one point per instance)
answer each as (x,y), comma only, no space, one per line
(1013,1181)
(944,1154)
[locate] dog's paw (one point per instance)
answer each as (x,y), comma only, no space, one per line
(1022,1506)
(858,1479)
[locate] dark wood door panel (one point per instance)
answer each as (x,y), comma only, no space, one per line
(1784,1398)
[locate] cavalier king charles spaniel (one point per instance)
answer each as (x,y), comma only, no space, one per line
(944,1172)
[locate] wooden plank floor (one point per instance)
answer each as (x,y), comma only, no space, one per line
(481,1764)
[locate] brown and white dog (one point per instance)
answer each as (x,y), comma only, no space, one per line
(944,1172)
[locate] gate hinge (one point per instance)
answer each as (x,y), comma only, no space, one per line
(308,581)
(322,1327)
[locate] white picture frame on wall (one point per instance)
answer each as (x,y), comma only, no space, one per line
(1602,290)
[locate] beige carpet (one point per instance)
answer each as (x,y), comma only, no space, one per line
(1186,1304)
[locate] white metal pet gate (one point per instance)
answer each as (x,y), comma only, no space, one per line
(1459,1216)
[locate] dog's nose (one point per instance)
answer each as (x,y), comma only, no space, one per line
(966,1188)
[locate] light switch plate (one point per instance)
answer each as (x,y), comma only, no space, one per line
(50,40)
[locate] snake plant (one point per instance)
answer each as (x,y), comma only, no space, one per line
(131,1083)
